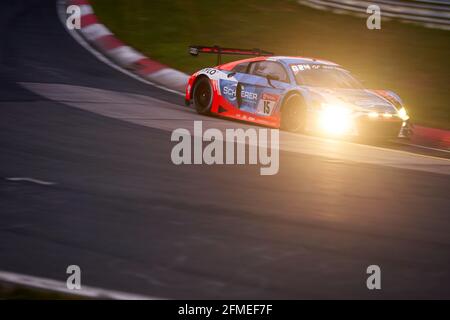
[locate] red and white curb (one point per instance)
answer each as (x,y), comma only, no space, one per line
(61,287)
(103,40)
(424,136)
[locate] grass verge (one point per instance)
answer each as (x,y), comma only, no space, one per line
(408,59)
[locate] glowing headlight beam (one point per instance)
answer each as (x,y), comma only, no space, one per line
(335,119)
(403,114)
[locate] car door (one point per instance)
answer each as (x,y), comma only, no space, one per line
(260,89)
(228,85)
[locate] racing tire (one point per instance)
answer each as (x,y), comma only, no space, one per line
(203,95)
(293,114)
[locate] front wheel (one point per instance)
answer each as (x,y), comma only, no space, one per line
(293,114)
(203,95)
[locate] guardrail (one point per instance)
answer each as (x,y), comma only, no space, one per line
(429,13)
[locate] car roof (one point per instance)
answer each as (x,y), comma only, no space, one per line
(283,59)
(301,60)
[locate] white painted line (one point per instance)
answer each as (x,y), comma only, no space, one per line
(61,8)
(59,286)
(423,147)
(27,179)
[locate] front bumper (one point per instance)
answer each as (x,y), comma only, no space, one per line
(378,128)
(361,124)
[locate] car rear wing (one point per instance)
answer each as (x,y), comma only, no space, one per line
(196,50)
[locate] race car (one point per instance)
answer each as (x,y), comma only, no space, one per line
(296,94)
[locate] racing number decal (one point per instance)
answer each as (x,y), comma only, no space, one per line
(266,107)
(267,103)
(209,71)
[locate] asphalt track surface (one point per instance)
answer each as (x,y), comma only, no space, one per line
(134,222)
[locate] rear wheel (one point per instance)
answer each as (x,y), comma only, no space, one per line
(203,95)
(293,114)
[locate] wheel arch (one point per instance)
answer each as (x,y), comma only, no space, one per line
(289,94)
(201,76)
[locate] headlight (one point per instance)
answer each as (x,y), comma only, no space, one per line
(335,119)
(403,114)
(373,114)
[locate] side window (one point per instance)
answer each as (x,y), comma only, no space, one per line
(241,68)
(264,68)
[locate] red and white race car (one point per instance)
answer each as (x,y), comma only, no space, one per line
(294,94)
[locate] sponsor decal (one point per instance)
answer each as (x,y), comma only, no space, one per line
(296,68)
(229,91)
(249,95)
(303,67)
(270,97)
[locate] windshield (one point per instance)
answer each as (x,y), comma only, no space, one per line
(316,75)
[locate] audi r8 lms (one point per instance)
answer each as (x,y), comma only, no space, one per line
(296,94)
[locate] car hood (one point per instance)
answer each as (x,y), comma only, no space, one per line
(358,99)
